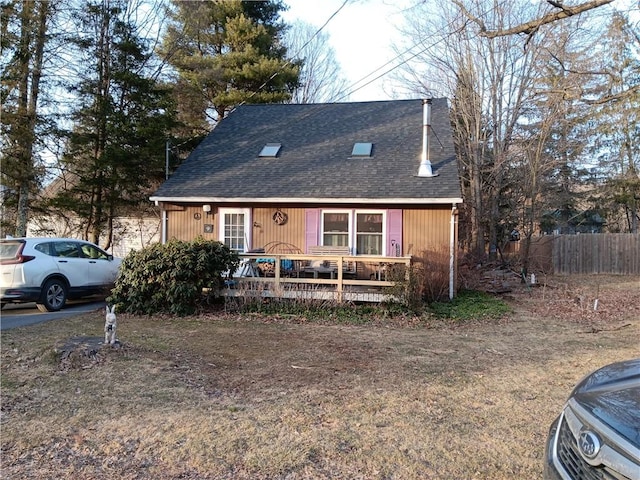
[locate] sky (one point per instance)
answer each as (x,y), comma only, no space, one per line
(361,34)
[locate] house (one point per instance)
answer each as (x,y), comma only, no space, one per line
(137,229)
(378,177)
(571,221)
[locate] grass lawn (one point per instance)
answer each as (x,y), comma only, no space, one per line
(230,396)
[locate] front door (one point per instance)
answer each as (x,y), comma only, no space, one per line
(235,228)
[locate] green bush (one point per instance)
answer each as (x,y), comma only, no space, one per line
(171,277)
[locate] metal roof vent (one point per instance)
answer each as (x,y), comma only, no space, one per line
(425,164)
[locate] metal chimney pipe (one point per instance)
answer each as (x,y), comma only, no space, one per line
(425,163)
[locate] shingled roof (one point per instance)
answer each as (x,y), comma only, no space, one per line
(314,163)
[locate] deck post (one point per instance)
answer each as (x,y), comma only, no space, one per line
(277,271)
(340,285)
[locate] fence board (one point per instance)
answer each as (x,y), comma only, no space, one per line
(610,253)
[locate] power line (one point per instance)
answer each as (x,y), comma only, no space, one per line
(275,74)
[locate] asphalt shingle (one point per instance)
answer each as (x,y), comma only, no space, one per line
(314,160)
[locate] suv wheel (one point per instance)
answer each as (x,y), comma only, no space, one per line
(54,296)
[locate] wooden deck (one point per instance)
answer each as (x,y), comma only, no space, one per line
(318,277)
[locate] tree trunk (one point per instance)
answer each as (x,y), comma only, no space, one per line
(31,53)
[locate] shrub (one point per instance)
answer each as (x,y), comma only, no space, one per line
(172,277)
(426,281)
(430,276)
(406,289)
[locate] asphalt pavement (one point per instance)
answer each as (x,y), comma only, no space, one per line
(22,315)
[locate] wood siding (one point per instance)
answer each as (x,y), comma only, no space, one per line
(188,222)
(423,229)
(287,238)
(426,230)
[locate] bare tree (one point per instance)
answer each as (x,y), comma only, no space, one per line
(321,78)
(560,12)
(556,10)
(488,81)
(21,79)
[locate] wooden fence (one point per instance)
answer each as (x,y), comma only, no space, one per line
(609,253)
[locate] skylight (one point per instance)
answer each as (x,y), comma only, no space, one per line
(270,150)
(361,149)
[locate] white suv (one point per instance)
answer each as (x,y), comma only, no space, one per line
(49,271)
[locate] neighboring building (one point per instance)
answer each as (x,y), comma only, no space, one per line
(135,231)
(378,177)
(129,233)
(571,222)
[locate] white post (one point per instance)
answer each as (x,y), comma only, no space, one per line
(452,252)
(165,221)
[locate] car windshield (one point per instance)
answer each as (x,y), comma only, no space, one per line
(10,249)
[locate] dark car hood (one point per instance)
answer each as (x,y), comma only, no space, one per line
(612,394)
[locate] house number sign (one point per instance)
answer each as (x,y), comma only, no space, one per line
(280,217)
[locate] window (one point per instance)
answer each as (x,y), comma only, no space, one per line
(335,229)
(361,150)
(369,234)
(234,228)
(47,248)
(362,231)
(270,150)
(89,251)
(67,249)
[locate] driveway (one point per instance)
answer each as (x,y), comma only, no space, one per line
(22,315)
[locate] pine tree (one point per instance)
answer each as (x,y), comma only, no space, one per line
(115,152)
(558,114)
(225,53)
(617,112)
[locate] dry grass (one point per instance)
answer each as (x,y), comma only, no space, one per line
(218,396)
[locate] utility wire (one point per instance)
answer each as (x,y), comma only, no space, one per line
(289,62)
(352,89)
(275,74)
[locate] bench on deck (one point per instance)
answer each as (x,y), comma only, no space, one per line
(331,265)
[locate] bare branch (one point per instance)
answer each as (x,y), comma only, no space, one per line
(615,97)
(533,25)
(467,14)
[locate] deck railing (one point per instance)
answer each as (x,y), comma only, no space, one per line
(341,277)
